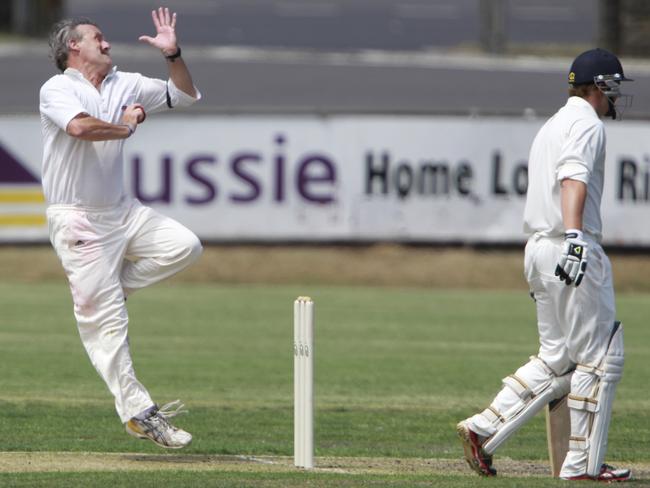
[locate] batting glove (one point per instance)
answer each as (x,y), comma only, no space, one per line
(573,260)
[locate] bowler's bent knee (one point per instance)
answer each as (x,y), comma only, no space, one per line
(195,249)
(189,250)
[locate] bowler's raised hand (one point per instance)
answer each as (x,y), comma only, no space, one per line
(165,39)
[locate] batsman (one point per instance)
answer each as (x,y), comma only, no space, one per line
(570,278)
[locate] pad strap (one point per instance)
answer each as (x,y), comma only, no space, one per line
(585,368)
(578,443)
(493,416)
(587,404)
(518,385)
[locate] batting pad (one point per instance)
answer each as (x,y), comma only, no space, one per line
(535,385)
(612,373)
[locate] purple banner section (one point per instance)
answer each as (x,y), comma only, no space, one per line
(12,171)
(250,174)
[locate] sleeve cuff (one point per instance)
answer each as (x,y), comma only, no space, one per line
(573,171)
(178,98)
(71,115)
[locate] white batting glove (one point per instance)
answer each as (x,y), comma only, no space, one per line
(573,260)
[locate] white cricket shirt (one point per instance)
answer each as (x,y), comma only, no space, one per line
(571,144)
(86,173)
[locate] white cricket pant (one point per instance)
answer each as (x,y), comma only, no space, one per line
(106,253)
(574,326)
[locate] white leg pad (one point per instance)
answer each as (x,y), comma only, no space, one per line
(612,373)
(534,385)
(591,409)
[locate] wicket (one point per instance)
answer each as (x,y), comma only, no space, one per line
(303,382)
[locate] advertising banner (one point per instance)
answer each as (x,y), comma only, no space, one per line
(338,178)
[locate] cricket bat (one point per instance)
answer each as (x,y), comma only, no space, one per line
(558,431)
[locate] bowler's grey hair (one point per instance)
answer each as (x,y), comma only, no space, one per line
(62,33)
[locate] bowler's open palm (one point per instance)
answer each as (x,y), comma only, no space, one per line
(165,24)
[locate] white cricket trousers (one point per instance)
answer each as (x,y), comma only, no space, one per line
(107,253)
(574,323)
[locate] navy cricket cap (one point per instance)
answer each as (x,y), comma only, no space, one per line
(595,62)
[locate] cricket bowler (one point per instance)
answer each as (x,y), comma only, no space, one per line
(109,244)
(570,278)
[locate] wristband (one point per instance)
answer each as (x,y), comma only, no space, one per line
(131,128)
(177,54)
(573,234)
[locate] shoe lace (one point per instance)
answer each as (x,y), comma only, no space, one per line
(172,409)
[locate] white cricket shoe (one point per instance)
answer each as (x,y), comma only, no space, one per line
(608,474)
(157,428)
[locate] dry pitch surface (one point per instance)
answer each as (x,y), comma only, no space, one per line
(24,462)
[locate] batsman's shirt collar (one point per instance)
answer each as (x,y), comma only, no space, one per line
(581,103)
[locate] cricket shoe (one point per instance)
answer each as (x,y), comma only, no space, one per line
(155,427)
(479,460)
(608,474)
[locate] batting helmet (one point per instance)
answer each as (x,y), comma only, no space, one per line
(595,63)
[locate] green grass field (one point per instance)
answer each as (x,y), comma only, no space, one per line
(395,370)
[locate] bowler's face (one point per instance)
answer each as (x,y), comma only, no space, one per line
(93,48)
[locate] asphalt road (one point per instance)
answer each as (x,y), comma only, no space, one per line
(278,81)
(346,24)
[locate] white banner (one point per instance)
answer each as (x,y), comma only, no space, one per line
(338,178)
